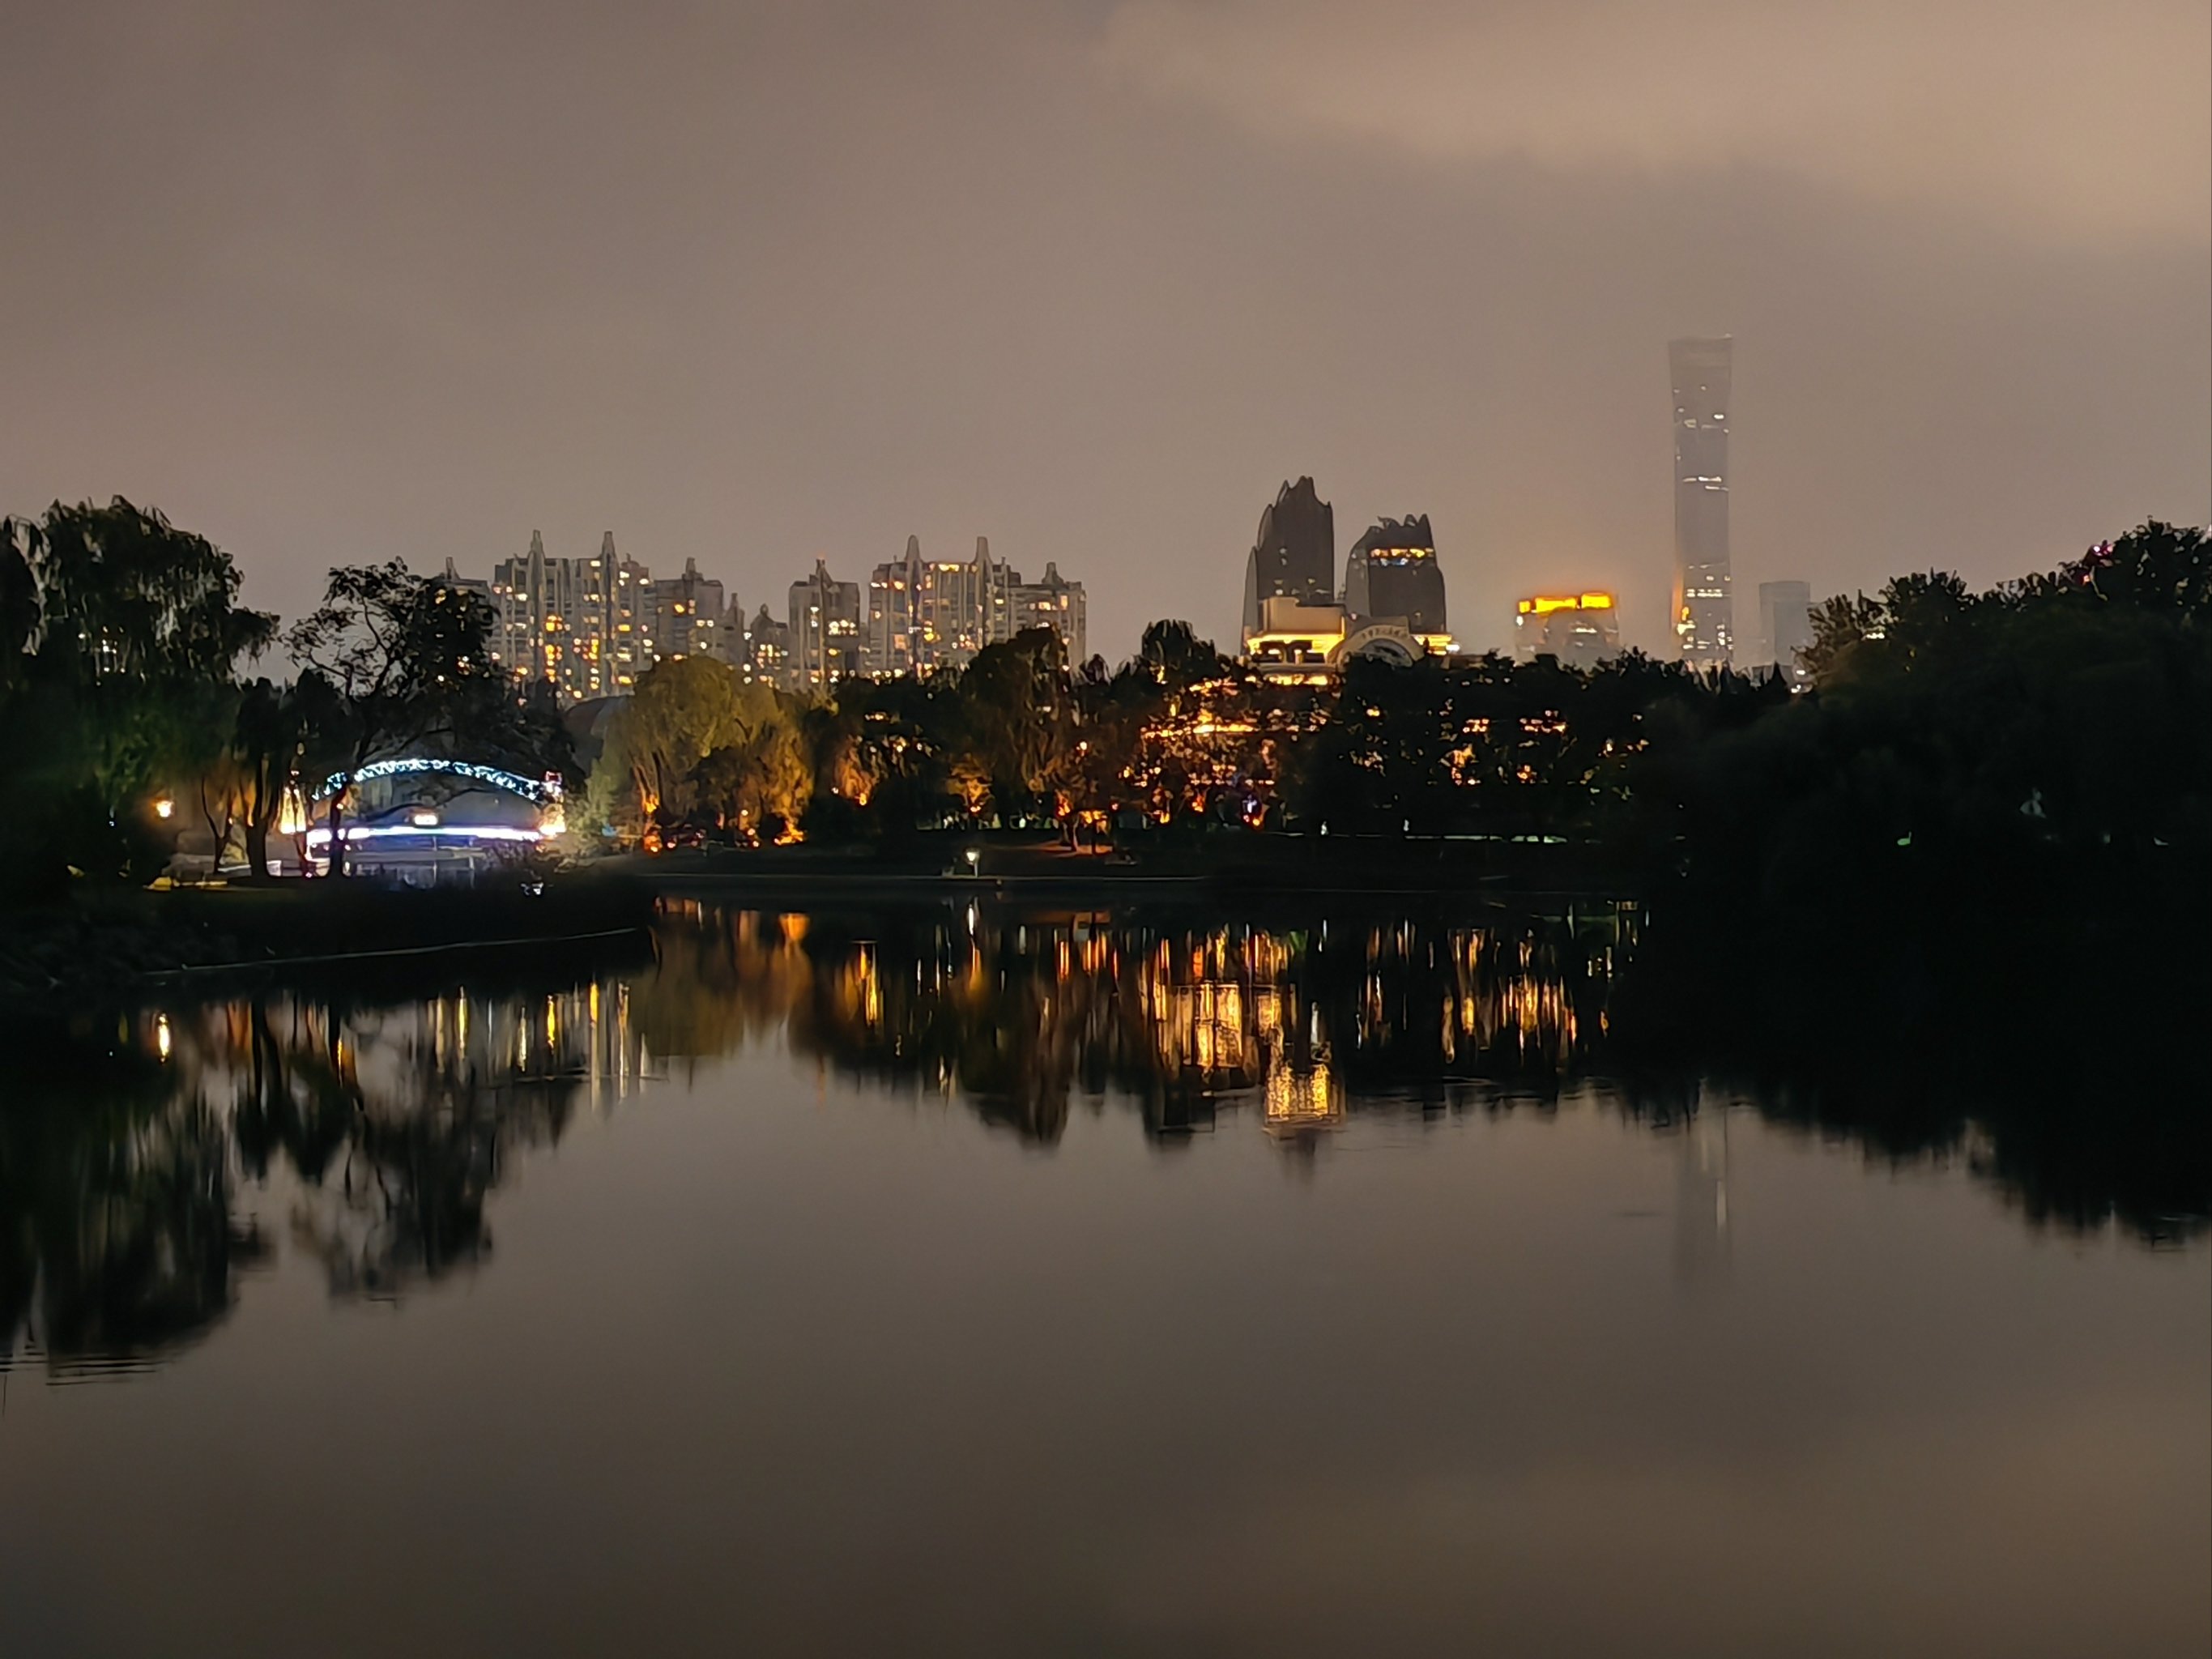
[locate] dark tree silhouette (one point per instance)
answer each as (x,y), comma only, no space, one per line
(408,666)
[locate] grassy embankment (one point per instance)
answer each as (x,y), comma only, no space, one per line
(1230,865)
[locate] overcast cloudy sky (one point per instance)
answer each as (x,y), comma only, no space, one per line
(757,283)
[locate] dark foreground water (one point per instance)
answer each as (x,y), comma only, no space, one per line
(1034,1286)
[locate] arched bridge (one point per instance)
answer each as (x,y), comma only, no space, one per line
(544,792)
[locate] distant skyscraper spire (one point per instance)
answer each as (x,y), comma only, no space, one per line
(1704,612)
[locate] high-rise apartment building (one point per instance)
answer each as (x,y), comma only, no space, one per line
(592,626)
(924,614)
(1704,623)
(826,618)
(582,623)
(761,651)
(619,600)
(476,585)
(1056,603)
(1785,625)
(927,614)
(535,599)
(1294,555)
(1391,574)
(898,599)
(685,615)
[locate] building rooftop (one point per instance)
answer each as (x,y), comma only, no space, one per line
(1411,531)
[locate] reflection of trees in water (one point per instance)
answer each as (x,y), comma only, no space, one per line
(717,987)
(128,1153)
(2134,1145)
(122,1160)
(116,1230)
(1019,1014)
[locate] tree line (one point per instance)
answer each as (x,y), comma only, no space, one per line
(128,702)
(2062,712)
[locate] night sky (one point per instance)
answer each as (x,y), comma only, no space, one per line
(759,283)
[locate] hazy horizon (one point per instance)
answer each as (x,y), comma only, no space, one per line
(756,285)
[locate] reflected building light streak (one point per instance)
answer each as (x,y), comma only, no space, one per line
(1702,1237)
(1301,1100)
(1036,1011)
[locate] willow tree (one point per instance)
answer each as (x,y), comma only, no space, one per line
(119,635)
(692,740)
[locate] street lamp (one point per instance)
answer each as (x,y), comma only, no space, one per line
(975,857)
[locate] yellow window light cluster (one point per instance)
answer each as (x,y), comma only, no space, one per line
(1544,604)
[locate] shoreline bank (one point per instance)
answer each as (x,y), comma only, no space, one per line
(105,946)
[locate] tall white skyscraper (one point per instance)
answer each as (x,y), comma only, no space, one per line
(1704,611)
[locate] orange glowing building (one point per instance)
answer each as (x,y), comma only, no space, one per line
(1580,629)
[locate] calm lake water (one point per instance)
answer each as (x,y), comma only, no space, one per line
(983,1284)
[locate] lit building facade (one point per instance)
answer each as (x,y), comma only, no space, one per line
(1309,644)
(1391,575)
(1292,642)
(535,599)
(899,597)
(1704,602)
(685,615)
(590,627)
(826,618)
(1056,603)
(761,651)
(580,623)
(619,600)
(461,584)
(1580,629)
(1294,555)
(925,614)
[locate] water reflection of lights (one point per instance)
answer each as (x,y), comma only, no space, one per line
(1297,1099)
(585,1034)
(1022,1014)
(163,1040)
(1268,1011)
(320,835)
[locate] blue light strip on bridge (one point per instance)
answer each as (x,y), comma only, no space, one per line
(514,783)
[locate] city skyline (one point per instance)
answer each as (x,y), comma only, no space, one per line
(332,287)
(590,626)
(1291,561)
